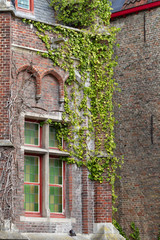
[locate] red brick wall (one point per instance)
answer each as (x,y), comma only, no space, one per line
(103,202)
(23,34)
(5,22)
(137,136)
(36,86)
(46,81)
(33,75)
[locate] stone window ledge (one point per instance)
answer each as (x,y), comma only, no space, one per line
(55,116)
(27,15)
(6,143)
(55,152)
(43,219)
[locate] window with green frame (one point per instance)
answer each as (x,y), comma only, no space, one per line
(31,183)
(55,185)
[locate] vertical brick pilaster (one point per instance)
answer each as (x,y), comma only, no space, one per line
(5,58)
(103,202)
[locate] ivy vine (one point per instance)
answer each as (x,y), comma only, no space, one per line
(82,13)
(88,119)
(135,231)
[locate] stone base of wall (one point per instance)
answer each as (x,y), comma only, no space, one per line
(102,231)
(53,236)
(106,231)
(11,235)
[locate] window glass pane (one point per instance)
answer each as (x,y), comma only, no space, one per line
(31,175)
(55,199)
(31,169)
(23,4)
(31,196)
(53,142)
(31,133)
(55,171)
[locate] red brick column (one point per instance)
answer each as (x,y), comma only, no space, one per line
(5,58)
(103,202)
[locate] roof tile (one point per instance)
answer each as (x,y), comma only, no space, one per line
(119,5)
(133,3)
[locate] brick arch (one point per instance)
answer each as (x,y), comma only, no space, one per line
(36,75)
(61,79)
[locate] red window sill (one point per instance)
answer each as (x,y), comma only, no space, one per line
(57,215)
(52,215)
(28,214)
(24,10)
(29,145)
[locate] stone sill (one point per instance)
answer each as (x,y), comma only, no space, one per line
(6,143)
(43,219)
(55,116)
(23,14)
(43,151)
(54,236)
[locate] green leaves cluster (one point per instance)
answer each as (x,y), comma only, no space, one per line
(135,231)
(88,57)
(119,228)
(135,234)
(82,13)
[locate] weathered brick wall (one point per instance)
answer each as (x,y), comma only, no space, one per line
(103,202)
(35,86)
(7,183)
(5,19)
(24,35)
(88,203)
(33,75)
(138,130)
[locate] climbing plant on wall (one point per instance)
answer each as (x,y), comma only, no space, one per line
(87,54)
(82,13)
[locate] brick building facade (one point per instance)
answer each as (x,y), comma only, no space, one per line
(138,131)
(32,90)
(39,193)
